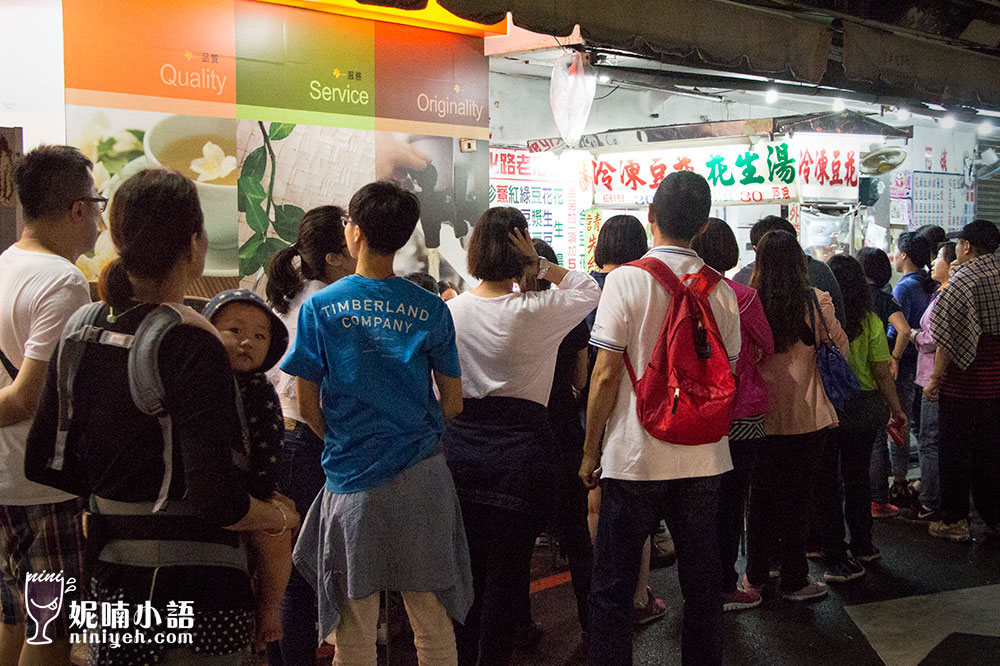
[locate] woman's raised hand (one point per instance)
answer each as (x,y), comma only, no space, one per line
(522,241)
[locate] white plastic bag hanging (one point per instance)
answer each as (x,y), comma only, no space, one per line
(571,94)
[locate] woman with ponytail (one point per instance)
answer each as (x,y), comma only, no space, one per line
(176,476)
(322,259)
(913,293)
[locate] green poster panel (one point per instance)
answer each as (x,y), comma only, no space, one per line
(302,66)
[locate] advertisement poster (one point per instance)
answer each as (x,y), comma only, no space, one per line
(272,110)
(738,174)
(550,191)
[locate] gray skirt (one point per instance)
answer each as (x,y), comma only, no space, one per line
(404,535)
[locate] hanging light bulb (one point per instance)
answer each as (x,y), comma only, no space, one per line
(903,114)
(772,95)
(948,122)
(986,128)
(838,105)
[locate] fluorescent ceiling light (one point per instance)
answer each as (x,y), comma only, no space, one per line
(937,107)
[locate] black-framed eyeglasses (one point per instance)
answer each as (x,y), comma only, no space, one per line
(345,220)
(102,202)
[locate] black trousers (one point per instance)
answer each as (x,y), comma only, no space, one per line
(780,497)
(500,546)
(970,458)
(732,505)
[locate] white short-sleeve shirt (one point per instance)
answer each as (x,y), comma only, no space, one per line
(629,319)
(38,294)
(507,345)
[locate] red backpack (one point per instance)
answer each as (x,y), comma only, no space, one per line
(686,394)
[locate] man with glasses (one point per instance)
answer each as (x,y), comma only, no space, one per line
(39,289)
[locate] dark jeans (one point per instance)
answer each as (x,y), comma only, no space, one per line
(629,513)
(846,458)
(780,497)
(969,458)
(300,478)
(929,446)
(500,546)
(887,458)
(733,489)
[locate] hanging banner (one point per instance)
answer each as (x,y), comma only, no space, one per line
(828,166)
(551,192)
(738,174)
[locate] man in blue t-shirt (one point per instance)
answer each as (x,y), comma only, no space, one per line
(366,350)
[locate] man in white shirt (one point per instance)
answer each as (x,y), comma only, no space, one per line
(642,478)
(40,289)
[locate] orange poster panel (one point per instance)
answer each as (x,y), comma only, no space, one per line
(181,49)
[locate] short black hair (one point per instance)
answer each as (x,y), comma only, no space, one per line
(386,213)
(717,245)
(622,239)
(768,224)
(877,266)
(492,255)
(424,280)
(444,285)
(916,247)
(50,178)
(681,204)
(934,234)
(949,251)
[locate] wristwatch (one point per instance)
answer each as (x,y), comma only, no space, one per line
(543,267)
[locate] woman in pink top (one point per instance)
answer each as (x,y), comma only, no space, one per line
(929,436)
(717,246)
(796,422)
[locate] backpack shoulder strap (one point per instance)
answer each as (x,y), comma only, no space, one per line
(704,281)
(660,272)
(146,384)
(72,346)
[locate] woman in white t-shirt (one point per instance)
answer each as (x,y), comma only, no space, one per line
(500,448)
(323,259)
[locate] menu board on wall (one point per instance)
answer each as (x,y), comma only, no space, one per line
(550,192)
(272,110)
(942,199)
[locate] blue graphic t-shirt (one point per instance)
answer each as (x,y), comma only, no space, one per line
(371,346)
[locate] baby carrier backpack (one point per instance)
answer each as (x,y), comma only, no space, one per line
(150,534)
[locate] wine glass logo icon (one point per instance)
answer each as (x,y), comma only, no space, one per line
(43,598)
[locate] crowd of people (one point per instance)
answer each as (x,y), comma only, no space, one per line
(390,433)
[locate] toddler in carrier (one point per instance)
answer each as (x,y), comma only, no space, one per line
(255,340)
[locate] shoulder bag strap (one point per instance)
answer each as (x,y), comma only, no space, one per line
(815,304)
(8,366)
